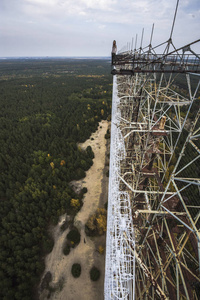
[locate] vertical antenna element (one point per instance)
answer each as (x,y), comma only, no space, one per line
(142,38)
(174,19)
(151,35)
(132,44)
(136,42)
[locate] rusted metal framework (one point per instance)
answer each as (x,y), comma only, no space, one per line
(182,60)
(153,237)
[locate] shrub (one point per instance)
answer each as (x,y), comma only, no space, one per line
(84,190)
(76,270)
(89,151)
(107,135)
(74,237)
(66,249)
(46,280)
(94,274)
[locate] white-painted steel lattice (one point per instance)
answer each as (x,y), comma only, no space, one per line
(120,261)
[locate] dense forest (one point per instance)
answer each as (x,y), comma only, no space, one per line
(47,106)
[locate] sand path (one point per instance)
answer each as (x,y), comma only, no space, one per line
(60,265)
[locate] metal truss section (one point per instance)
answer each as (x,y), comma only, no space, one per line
(181,60)
(120,261)
(153,234)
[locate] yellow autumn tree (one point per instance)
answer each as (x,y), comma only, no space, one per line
(101,220)
(97,223)
(75,204)
(90,223)
(101,249)
(62,163)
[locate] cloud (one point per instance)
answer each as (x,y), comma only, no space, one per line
(110,10)
(102,26)
(99,21)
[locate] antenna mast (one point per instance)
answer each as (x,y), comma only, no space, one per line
(153,227)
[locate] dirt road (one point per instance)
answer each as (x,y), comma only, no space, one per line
(85,253)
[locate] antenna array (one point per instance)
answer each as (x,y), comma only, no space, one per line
(153,237)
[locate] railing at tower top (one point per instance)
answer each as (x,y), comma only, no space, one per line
(176,61)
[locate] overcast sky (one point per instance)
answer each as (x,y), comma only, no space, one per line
(88,27)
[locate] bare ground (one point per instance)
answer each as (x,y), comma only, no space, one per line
(64,285)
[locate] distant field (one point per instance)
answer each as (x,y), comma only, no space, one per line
(23,68)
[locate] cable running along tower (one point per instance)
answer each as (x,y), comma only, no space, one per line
(153,237)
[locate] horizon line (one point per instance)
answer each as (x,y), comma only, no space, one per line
(26,57)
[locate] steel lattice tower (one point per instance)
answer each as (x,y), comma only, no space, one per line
(153,237)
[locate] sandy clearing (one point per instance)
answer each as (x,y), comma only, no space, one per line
(85,253)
